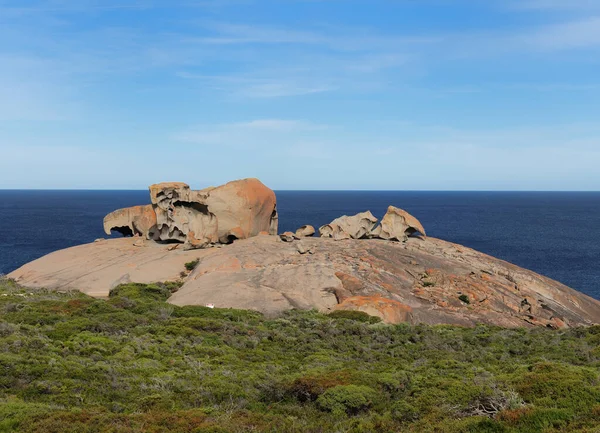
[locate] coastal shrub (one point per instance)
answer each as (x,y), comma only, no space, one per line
(348,399)
(133,362)
(190,266)
(465,299)
(309,388)
(404,411)
(358,316)
(145,292)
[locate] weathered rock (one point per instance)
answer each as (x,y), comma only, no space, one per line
(287,237)
(419,281)
(236,210)
(388,310)
(180,211)
(131,221)
(243,209)
(305,231)
(302,248)
(96,268)
(191,243)
(349,227)
(397,224)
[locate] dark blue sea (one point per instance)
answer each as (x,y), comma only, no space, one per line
(554,233)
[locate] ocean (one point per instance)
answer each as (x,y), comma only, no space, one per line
(556,234)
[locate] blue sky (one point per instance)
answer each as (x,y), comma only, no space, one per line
(303,94)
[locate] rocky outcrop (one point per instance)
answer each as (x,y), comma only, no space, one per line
(96,268)
(398,225)
(423,280)
(417,280)
(243,209)
(132,221)
(182,216)
(236,210)
(288,237)
(305,231)
(349,227)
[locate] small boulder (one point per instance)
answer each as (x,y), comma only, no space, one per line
(349,227)
(287,237)
(397,224)
(192,243)
(305,231)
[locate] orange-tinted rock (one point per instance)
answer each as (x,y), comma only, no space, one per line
(236,210)
(397,224)
(132,221)
(430,276)
(287,237)
(243,208)
(192,243)
(388,310)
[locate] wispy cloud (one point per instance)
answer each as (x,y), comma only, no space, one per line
(556,5)
(578,34)
(251,133)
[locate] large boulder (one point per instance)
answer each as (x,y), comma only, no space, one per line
(179,212)
(132,221)
(349,227)
(244,208)
(397,224)
(236,210)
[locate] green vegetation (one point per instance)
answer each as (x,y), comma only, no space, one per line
(134,363)
(190,266)
(465,299)
(358,316)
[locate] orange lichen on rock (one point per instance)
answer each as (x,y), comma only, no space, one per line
(131,221)
(236,210)
(388,310)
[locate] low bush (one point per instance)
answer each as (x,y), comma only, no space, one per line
(358,316)
(133,363)
(190,266)
(348,399)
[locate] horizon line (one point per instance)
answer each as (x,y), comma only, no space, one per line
(315,190)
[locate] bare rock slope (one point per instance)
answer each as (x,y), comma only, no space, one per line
(356,264)
(423,280)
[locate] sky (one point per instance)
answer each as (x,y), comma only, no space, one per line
(303,94)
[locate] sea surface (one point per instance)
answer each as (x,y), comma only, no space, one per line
(556,234)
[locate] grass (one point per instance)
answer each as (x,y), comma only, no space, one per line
(134,363)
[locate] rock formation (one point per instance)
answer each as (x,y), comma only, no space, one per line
(288,237)
(397,224)
(236,210)
(418,281)
(305,231)
(132,221)
(349,227)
